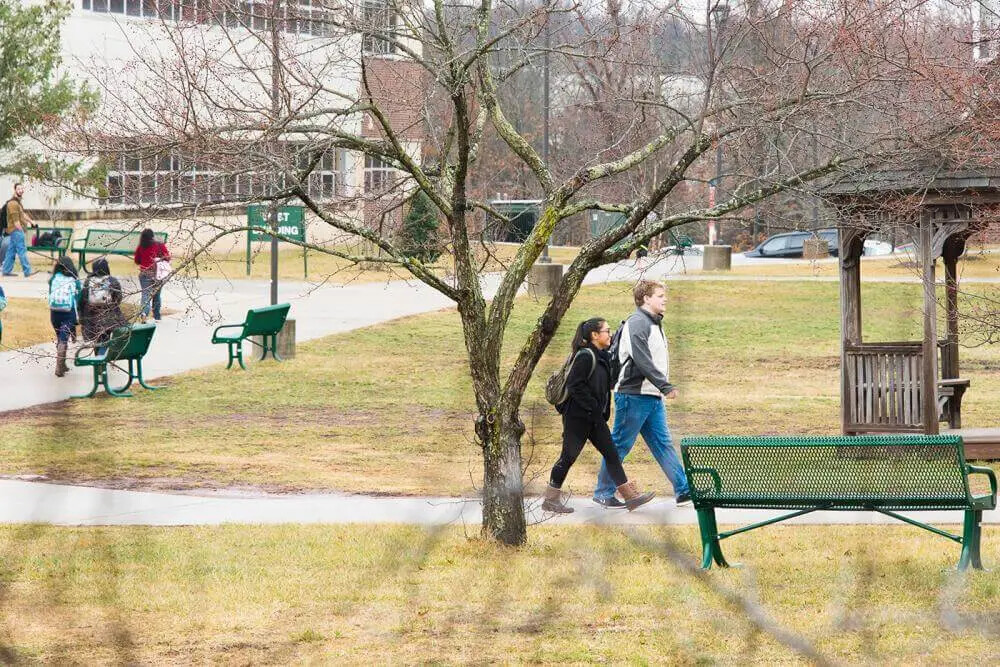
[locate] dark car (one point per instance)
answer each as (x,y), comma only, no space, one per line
(790,244)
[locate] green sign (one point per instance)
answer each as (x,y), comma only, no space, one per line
(291,222)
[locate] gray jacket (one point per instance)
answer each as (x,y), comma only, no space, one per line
(643,355)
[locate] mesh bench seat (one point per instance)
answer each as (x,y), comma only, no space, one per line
(128,345)
(110,242)
(264,322)
(885,474)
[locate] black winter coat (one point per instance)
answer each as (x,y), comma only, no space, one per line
(100,321)
(589,398)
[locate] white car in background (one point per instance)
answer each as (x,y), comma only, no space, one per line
(874,247)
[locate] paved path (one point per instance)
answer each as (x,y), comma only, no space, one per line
(181,344)
(32,502)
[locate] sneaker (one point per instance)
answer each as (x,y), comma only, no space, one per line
(609,503)
(9,275)
(33,272)
(683,499)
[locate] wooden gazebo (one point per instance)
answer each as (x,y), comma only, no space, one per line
(882,382)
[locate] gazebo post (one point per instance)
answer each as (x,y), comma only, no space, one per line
(928,388)
(851,244)
(953,248)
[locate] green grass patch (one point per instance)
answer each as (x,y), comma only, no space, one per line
(389,408)
(346,594)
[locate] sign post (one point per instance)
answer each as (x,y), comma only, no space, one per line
(290,225)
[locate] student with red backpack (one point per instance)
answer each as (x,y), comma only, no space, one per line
(585,413)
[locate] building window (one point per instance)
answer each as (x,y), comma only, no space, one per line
(326,180)
(304,17)
(379,174)
(157,180)
(985,24)
(378,22)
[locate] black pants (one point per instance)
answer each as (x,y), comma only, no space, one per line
(575,433)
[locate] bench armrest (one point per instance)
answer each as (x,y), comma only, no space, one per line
(983,470)
(227,326)
(93,352)
(716,480)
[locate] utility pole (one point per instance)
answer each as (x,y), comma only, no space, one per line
(276,145)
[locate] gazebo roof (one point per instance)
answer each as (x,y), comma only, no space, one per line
(921,176)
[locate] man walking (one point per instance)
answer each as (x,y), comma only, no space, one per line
(17,220)
(643,384)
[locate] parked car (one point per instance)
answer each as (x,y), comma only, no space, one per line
(790,244)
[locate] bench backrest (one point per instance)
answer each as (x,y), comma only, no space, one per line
(130,342)
(839,471)
(117,239)
(266,321)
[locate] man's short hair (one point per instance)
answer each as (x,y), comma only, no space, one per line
(644,288)
(19,183)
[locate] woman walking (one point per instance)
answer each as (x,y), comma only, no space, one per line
(101,305)
(64,295)
(585,416)
(150,253)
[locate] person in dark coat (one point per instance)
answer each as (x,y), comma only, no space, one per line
(585,416)
(101,305)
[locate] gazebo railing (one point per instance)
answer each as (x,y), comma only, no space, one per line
(884,382)
(884,386)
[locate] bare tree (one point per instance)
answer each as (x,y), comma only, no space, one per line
(250,99)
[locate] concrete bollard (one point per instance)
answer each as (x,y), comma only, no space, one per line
(815,249)
(717,258)
(286,344)
(543,279)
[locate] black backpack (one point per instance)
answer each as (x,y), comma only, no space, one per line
(616,364)
(3,219)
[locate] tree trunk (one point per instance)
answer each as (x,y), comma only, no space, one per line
(503,483)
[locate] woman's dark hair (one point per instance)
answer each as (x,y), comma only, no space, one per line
(65,266)
(582,337)
(99,267)
(146,238)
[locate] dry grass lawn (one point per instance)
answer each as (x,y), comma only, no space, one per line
(230,263)
(25,323)
(407,595)
(389,409)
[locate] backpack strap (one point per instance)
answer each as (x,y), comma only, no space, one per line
(593,362)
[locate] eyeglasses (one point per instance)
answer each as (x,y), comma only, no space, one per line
(604,331)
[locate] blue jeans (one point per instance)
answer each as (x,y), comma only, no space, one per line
(150,295)
(636,414)
(16,246)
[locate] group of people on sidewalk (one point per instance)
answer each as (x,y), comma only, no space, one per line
(640,388)
(95,302)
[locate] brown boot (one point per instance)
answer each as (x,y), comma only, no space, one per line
(553,501)
(632,497)
(61,366)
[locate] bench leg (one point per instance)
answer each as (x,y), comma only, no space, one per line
(97,384)
(971,537)
(711,549)
(274,348)
(263,348)
(239,354)
(138,375)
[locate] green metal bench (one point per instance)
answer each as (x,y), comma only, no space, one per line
(109,242)
(56,249)
(264,322)
(883,474)
(127,345)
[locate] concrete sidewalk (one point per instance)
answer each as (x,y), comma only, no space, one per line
(182,342)
(34,502)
